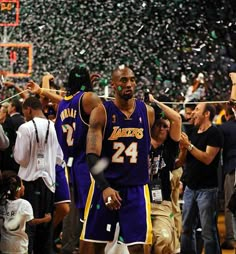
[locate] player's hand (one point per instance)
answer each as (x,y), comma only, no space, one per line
(111,198)
(47,217)
(33,87)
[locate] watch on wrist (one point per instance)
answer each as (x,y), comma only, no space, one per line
(190,147)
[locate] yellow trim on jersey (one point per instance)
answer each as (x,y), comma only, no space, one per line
(87,207)
(66,174)
(149,125)
(79,107)
(105,124)
(67,98)
(148,215)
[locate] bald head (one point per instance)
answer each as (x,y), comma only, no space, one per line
(120,71)
(123,82)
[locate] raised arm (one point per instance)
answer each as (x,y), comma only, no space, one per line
(23,93)
(36,89)
(173,116)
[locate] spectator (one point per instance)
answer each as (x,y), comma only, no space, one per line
(4,141)
(165,137)
(119,130)
(72,126)
(197,90)
(201,192)
(201,42)
(37,151)
(7,160)
(15,112)
(15,213)
(62,195)
(229,164)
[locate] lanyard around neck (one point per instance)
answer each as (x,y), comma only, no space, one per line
(36,132)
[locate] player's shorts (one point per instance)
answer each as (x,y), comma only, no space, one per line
(134,217)
(80,180)
(62,193)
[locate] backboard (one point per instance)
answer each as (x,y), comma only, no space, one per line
(16,59)
(9,12)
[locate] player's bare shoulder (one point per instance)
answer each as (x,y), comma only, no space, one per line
(151,114)
(90,101)
(98,116)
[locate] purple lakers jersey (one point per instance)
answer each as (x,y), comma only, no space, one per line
(70,127)
(127,143)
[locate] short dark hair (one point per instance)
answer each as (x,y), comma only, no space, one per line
(211,109)
(33,103)
(228,110)
(17,104)
(190,105)
(79,77)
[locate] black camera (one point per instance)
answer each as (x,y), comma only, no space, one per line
(146,92)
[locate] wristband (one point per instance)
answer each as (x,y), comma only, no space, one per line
(100,181)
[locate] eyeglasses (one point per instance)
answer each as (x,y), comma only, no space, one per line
(163,125)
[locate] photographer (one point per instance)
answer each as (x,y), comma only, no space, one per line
(166,133)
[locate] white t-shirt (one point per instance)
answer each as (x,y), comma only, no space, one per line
(27,151)
(13,217)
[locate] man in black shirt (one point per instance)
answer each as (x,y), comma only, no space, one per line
(202,150)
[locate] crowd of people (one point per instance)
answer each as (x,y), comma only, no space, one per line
(166,43)
(83,178)
(107,178)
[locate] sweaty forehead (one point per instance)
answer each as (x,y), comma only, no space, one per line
(125,72)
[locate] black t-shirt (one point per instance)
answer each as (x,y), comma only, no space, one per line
(229,148)
(164,157)
(198,174)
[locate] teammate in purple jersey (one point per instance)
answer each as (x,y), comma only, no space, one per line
(71,127)
(120,131)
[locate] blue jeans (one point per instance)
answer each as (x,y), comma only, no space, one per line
(201,204)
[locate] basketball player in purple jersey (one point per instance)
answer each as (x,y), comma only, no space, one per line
(120,131)
(71,127)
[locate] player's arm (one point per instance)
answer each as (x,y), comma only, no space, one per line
(36,89)
(111,197)
(89,101)
(151,115)
(94,145)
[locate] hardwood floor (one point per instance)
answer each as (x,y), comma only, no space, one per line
(221,227)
